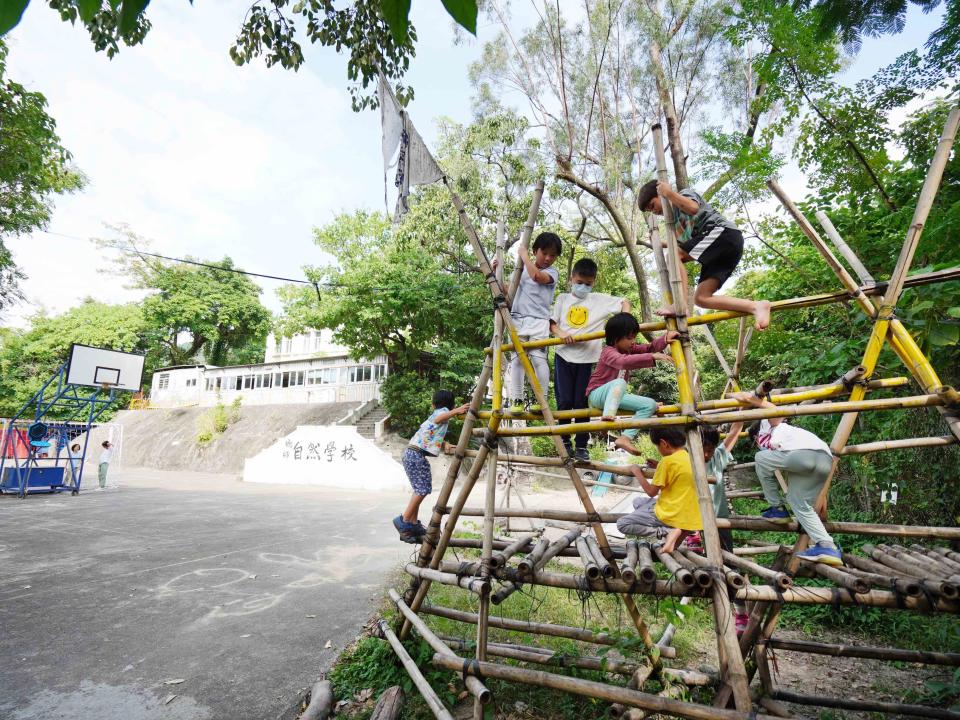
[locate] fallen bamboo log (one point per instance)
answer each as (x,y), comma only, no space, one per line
(530,627)
(891,708)
(600,691)
(933,553)
(548,657)
(865,651)
(476,688)
(429,696)
(808,595)
(935,568)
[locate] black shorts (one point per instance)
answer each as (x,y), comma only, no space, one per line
(720,259)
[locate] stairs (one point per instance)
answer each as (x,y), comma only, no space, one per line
(366,425)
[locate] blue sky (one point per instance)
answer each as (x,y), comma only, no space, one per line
(208,159)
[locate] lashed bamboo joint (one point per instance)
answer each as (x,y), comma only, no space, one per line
(907,576)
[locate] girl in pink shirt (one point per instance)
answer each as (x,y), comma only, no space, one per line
(607,388)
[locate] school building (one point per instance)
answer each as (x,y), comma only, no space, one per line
(305,368)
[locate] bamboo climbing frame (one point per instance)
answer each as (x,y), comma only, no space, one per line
(901,576)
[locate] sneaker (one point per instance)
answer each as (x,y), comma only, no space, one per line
(693,542)
(419,528)
(740,621)
(400,524)
(410,537)
(582,454)
(822,554)
(776,515)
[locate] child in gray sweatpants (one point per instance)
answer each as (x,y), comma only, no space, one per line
(806,461)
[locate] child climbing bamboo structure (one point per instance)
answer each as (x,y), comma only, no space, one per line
(706,237)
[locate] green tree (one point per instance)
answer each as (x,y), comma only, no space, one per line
(386,296)
(29,358)
(202,311)
(34,167)
(377,33)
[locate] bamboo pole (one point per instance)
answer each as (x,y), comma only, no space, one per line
(906,567)
(429,696)
(504,458)
(892,708)
(866,651)
(738,522)
(645,569)
(780,579)
(477,688)
(829,408)
(851,582)
(540,395)
(533,628)
(590,567)
(606,569)
(525,238)
(808,301)
(600,691)
(700,574)
(682,574)
(628,568)
(733,578)
(502,558)
(474,585)
(851,257)
(885,580)
(865,448)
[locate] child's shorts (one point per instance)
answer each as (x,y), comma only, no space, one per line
(719,258)
(418,471)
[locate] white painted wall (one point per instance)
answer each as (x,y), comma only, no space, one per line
(328,456)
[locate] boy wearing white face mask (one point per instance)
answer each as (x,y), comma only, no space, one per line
(579,312)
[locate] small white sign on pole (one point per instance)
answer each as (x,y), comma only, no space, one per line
(329,456)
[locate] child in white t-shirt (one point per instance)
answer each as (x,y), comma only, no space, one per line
(530,312)
(579,312)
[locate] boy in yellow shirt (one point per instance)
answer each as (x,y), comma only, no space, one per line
(670,509)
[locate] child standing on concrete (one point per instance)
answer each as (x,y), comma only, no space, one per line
(579,312)
(706,237)
(607,387)
(531,312)
(105,457)
(428,441)
(670,509)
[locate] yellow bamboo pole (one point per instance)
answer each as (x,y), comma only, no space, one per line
(808,301)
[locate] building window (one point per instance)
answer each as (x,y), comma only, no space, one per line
(380,372)
(286,345)
(268,380)
(237,383)
(209,384)
(314,377)
(191,382)
(296,378)
(164,382)
(330,376)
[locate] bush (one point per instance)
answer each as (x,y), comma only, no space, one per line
(406,396)
(215,421)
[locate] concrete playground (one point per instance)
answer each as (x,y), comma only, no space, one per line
(184,596)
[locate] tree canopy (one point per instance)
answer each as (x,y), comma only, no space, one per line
(34,167)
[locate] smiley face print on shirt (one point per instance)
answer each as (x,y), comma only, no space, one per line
(577,316)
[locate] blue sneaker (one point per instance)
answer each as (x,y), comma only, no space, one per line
(822,554)
(776,515)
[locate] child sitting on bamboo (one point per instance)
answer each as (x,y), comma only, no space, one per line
(670,509)
(706,237)
(607,388)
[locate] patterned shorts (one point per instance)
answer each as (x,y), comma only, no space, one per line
(418,472)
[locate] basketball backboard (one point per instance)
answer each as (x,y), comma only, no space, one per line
(104,368)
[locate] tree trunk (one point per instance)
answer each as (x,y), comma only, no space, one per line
(389,705)
(670,115)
